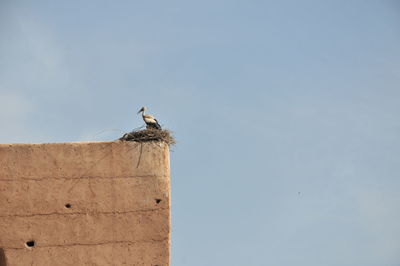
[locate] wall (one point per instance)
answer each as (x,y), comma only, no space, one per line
(95,203)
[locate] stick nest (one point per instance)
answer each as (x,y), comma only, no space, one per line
(148,135)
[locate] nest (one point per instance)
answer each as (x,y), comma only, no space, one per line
(148,135)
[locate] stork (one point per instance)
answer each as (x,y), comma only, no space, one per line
(150,121)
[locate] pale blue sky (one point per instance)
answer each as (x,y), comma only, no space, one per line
(286,115)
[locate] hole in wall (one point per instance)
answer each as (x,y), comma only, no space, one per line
(68,206)
(30,244)
(158,201)
(3,261)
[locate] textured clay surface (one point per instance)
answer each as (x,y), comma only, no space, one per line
(94,203)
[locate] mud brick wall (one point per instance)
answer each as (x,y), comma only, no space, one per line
(93,203)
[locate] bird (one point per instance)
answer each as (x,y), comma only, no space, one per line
(150,121)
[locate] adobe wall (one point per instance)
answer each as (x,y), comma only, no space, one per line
(94,203)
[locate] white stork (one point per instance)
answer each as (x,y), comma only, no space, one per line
(150,121)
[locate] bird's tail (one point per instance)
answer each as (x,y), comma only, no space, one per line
(157,125)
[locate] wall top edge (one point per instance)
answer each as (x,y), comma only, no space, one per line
(78,143)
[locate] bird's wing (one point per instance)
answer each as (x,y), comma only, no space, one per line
(149,119)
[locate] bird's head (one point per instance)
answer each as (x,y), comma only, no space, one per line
(142,109)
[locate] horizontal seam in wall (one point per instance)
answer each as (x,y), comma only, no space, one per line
(82,213)
(75,178)
(94,244)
